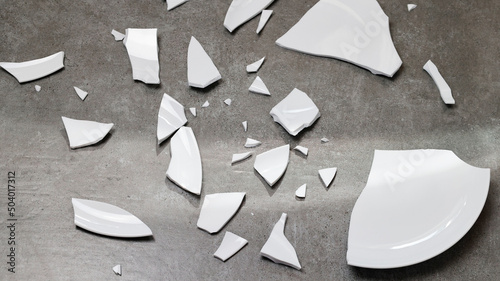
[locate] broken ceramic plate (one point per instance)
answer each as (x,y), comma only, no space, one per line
(295,112)
(171,117)
(245,125)
(201,69)
(107,219)
(185,166)
(206,104)
(241,11)
(327,175)
(174,3)
(118,35)
(278,248)
(218,209)
(193,111)
(34,69)
(416,204)
(84,133)
(252,143)
(81,93)
(38,88)
(443,87)
(271,165)
(301,191)
(264,17)
(324,140)
(411,7)
(259,87)
(356,31)
(301,149)
(254,67)
(230,245)
(142,48)
(240,157)
(117,269)
(228,101)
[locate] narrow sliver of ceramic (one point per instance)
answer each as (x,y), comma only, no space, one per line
(171,117)
(241,11)
(34,69)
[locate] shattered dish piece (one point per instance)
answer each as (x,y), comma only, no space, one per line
(272,164)
(259,87)
(411,7)
(38,88)
(218,209)
(240,157)
(171,117)
(301,149)
(252,143)
(327,175)
(117,269)
(174,3)
(206,104)
(241,11)
(324,140)
(416,204)
(84,133)
(264,17)
(295,112)
(254,67)
(356,31)
(278,248)
(34,69)
(185,166)
(245,125)
(230,245)
(201,69)
(106,219)
(228,101)
(301,191)
(118,35)
(193,111)
(443,87)
(81,93)
(142,48)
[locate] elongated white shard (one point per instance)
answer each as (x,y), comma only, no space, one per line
(327,175)
(174,3)
(38,88)
(230,245)
(264,17)
(117,269)
(171,117)
(106,219)
(241,11)
(301,191)
(245,125)
(218,209)
(443,87)
(411,7)
(278,248)
(34,69)
(271,165)
(193,111)
(81,93)
(416,204)
(254,67)
(252,143)
(356,31)
(118,35)
(201,69)
(324,140)
(240,157)
(84,133)
(206,104)
(259,87)
(295,112)
(142,48)
(302,149)
(185,166)
(228,101)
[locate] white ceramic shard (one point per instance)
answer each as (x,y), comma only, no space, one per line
(241,11)
(171,117)
(206,104)
(271,165)
(218,209)
(259,87)
(324,140)
(301,149)
(356,31)
(193,111)
(278,248)
(230,245)
(228,101)
(245,125)
(327,175)
(142,48)
(443,87)
(201,69)
(264,17)
(84,133)
(252,143)
(81,93)
(106,219)
(416,204)
(174,3)
(34,69)
(118,35)
(185,166)
(301,191)
(240,157)
(117,269)
(411,7)
(38,88)
(254,67)
(295,112)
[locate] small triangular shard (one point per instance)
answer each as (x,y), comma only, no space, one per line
(327,175)
(174,3)
(84,133)
(264,17)
(259,87)
(81,93)
(301,191)
(254,67)
(117,269)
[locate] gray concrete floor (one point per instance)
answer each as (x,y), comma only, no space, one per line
(361,112)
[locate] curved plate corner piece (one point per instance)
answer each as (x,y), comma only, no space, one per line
(272,164)
(34,69)
(171,117)
(241,11)
(416,204)
(201,69)
(107,219)
(218,209)
(356,31)
(84,133)
(142,48)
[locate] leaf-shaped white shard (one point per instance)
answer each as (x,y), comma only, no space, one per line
(106,219)
(254,67)
(218,209)
(245,125)
(241,11)
(259,87)
(174,3)
(272,164)
(142,48)
(240,157)
(81,93)
(83,133)
(252,143)
(171,117)
(278,248)
(301,191)
(34,69)
(118,35)
(201,69)
(230,245)
(356,31)
(301,149)
(443,87)
(117,269)
(264,17)
(185,166)
(411,7)
(327,175)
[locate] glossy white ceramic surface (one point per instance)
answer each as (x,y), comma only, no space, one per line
(240,157)
(38,88)
(230,245)
(324,140)
(444,89)
(252,143)
(193,111)
(185,168)
(106,219)
(301,191)
(272,164)
(142,48)
(228,101)
(241,11)
(259,87)
(301,149)
(34,69)
(171,117)
(327,175)
(81,93)
(245,125)
(255,66)
(411,7)
(201,69)
(205,104)
(356,31)
(117,269)
(416,204)
(118,35)
(218,209)
(83,133)
(171,4)
(264,17)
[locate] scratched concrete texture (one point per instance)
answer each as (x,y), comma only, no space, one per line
(360,112)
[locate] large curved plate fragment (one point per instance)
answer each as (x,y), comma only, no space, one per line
(34,69)
(171,117)
(84,133)
(218,209)
(142,48)
(271,165)
(356,31)
(107,219)
(201,69)
(241,11)
(416,204)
